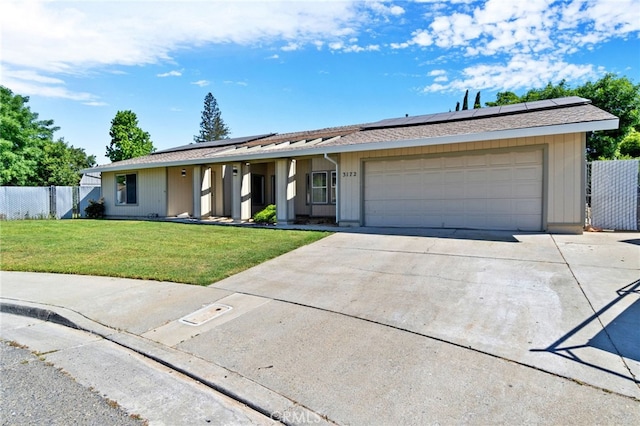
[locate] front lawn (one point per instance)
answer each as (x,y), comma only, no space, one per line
(163,251)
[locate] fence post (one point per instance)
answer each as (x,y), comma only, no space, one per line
(52,202)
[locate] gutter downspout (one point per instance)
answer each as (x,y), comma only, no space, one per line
(326,157)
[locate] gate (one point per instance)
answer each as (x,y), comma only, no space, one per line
(613,194)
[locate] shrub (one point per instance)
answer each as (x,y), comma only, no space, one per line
(268,215)
(95,209)
(630,145)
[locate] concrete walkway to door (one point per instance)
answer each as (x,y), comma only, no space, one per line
(440,326)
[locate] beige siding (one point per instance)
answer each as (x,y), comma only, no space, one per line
(152,194)
(180,191)
(217,173)
(321,164)
(563,196)
(303,168)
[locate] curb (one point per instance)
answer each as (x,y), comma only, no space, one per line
(246,391)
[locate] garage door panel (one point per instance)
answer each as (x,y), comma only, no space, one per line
(453,192)
(476,175)
(477,161)
(500,175)
(489,191)
(455,177)
(526,173)
(453,162)
(528,157)
(475,206)
(500,190)
(502,159)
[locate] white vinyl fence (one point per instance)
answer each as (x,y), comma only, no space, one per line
(613,194)
(60,202)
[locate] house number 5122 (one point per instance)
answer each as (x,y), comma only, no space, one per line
(348,174)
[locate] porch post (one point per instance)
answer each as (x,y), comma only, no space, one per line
(285,190)
(291,191)
(235,191)
(197,185)
(245,208)
(206,186)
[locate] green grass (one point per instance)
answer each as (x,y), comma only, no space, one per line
(163,251)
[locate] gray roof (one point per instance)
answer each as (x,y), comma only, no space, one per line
(563,115)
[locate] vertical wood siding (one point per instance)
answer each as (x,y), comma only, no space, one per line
(303,167)
(152,194)
(179,191)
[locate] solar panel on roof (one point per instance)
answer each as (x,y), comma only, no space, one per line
(476,113)
(545,103)
(482,112)
(464,114)
(569,100)
(513,108)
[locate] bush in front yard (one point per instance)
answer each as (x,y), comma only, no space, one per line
(268,215)
(95,209)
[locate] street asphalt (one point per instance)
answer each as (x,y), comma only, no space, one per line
(386,327)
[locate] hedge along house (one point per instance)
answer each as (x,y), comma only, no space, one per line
(516,167)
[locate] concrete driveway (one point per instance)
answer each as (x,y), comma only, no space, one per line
(375,328)
(565,305)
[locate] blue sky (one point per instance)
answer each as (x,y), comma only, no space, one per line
(278,66)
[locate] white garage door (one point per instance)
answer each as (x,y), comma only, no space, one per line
(500,190)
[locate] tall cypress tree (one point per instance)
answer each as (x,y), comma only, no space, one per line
(465,101)
(476,104)
(212,126)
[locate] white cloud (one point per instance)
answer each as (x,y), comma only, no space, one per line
(76,38)
(291,46)
(383,9)
(274,56)
(173,73)
(520,72)
(95,103)
(29,82)
(201,83)
(238,83)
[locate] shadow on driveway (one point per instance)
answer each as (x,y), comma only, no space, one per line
(620,337)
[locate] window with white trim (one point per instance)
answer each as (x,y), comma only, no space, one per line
(334,178)
(319,187)
(127,189)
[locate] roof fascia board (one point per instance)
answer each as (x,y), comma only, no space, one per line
(373,146)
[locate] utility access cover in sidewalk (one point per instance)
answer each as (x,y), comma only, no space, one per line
(205,314)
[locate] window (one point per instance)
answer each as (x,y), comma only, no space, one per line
(333,187)
(319,187)
(126,189)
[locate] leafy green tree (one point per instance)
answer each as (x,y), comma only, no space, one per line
(630,145)
(465,101)
(504,98)
(617,95)
(457,106)
(620,97)
(212,127)
(28,154)
(548,92)
(127,139)
(60,164)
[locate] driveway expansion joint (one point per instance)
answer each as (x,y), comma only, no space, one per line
(441,340)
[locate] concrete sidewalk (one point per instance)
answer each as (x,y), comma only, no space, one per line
(438,327)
